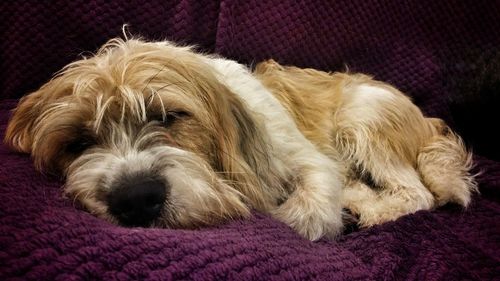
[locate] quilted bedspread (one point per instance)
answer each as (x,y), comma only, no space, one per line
(419,46)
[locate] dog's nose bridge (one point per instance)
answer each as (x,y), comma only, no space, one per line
(123,138)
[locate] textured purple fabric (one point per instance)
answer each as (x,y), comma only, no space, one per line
(416,45)
(39,37)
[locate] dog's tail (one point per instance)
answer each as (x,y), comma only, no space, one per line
(445,166)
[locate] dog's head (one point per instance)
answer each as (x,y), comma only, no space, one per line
(145,135)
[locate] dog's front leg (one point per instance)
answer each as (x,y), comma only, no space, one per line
(314,208)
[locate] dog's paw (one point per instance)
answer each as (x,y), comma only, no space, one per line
(312,221)
(365,204)
(368,218)
(357,197)
(372,208)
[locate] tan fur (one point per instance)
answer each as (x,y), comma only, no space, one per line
(413,162)
(307,95)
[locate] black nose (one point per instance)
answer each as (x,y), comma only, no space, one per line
(137,201)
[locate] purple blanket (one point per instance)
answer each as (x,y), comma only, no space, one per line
(416,45)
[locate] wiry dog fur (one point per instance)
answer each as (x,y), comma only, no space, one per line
(398,161)
(221,140)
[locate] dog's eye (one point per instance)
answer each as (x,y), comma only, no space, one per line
(79,145)
(170,117)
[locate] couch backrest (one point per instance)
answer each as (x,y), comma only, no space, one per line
(416,45)
(39,37)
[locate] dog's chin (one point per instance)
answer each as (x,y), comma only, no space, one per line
(169,187)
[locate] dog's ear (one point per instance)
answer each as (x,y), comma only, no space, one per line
(19,134)
(243,153)
(20,130)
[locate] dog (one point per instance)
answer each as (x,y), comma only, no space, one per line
(152,134)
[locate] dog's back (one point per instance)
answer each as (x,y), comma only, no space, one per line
(399,161)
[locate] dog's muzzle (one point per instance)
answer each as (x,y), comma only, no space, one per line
(137,200)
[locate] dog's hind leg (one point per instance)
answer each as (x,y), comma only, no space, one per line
(399,192)
(380,131)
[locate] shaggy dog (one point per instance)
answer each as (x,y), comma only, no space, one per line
(153,134)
